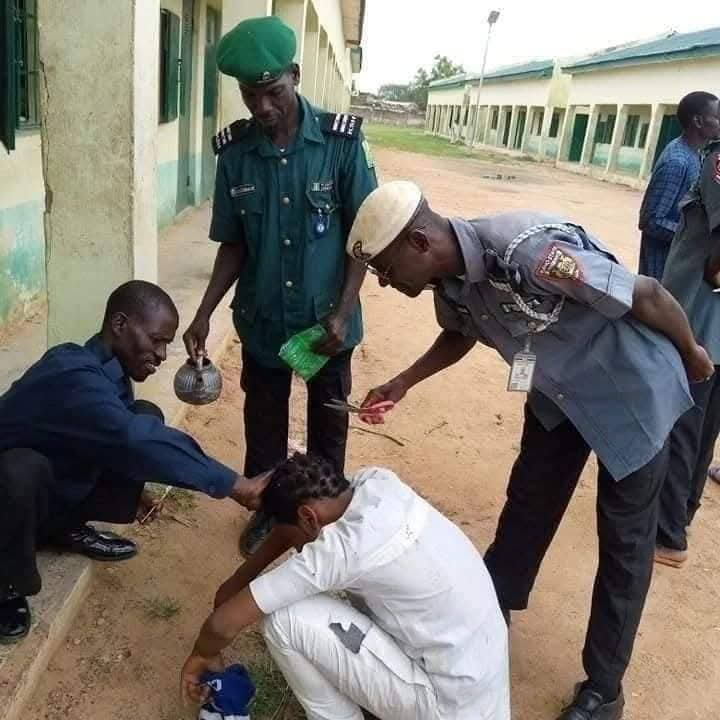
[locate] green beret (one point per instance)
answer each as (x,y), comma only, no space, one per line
(257,51)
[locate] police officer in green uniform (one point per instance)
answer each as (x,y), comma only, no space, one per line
(289,183)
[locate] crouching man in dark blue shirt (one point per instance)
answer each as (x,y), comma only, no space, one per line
(75,446)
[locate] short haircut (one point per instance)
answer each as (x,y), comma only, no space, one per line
(137,298)
(694,103)
(296,481)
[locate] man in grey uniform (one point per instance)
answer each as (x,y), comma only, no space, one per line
(691,273)
(601,353)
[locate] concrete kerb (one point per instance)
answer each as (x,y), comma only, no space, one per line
(66,582)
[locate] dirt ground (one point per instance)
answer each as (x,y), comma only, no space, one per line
(459,433)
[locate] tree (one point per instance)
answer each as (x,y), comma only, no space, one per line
(395,93)
(442,68)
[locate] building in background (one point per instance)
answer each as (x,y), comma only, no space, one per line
(521,107)
(106,113)
(608,115)
(622,103)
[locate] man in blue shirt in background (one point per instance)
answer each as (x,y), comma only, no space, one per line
(75,446)
(675,171)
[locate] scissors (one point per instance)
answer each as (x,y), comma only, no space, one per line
(379,408)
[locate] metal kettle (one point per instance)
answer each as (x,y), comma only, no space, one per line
(198,383)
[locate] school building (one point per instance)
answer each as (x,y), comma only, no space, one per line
(107,109)
(608,115)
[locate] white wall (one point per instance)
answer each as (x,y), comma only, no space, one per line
(447,96)
(330,14)
(516,92)
(665,82)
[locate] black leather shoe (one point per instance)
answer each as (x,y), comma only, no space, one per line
(15,618)
(97,545)
(258,528)
(590,705)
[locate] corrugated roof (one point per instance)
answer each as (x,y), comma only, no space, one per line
(672,46)
(460,79)
(536,68)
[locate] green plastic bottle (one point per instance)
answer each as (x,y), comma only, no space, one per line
(298,354)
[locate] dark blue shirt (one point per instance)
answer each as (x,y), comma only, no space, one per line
(73,406)
(674,173)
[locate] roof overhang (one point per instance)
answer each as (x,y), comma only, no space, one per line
(587,66)
(353,17)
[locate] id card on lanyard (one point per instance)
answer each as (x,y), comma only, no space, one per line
(522,369)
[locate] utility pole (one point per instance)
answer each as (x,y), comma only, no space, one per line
(491,20)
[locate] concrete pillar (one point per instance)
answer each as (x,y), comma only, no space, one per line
(566,133)
(99,105)
(616,142)
(500,126)
(323,59)
(652,140)
(513,126)
(488,124)
(589,143)
(545,129)
(231,105)
(528,127)
(311,54)
(293,13)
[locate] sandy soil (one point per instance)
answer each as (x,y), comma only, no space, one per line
(459,435)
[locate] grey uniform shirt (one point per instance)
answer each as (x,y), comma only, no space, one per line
(621,384)
(689,254)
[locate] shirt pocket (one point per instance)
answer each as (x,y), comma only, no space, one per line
(324,304)
(322,214)
(250,209)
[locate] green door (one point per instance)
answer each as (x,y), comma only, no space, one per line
(520,129)
(184,188)
(210,97)
(670,128)
(506,129)
(578,138)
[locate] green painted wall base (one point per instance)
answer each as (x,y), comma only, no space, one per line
(167,181)
(22,257)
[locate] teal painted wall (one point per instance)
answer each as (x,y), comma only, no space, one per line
(601,153)
(167,182)
(167,179)
(533,143)
(22,256)
(630,160)
(550,147)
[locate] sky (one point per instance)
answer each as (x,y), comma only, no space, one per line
(401,35)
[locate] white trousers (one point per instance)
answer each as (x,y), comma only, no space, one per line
(336,660)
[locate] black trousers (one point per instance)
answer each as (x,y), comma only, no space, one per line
(266,412)
(541,484)
(29,516)
(692,443)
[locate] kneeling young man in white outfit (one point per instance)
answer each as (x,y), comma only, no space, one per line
(424,637)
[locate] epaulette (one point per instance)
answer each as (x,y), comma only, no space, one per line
(342,124)
(229,135)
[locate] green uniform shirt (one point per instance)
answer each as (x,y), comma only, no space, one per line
(293,209)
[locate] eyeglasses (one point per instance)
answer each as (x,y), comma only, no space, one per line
(382,275)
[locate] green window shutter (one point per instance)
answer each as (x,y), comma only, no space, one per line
(169,57)
(8,106)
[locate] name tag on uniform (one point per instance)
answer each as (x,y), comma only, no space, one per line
(522,371)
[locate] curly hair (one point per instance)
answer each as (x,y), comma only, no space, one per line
(297,480)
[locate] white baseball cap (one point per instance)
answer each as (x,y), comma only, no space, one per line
(383,215)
